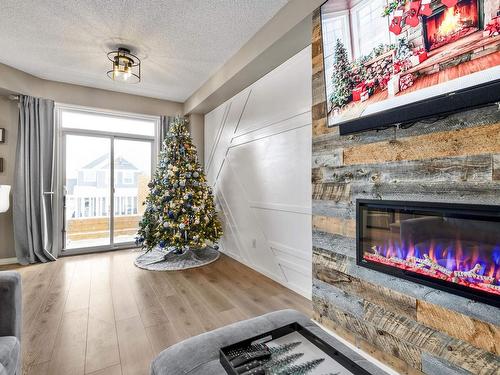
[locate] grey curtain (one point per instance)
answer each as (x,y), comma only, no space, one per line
(165,122)
(34,182)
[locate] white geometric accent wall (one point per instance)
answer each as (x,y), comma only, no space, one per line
(258,160)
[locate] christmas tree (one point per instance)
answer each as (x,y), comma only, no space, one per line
(342,77)
(180,211)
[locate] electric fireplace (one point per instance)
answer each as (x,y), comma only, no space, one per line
(452,247)
(448,24)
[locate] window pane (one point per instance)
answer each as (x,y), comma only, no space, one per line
(132,174)
(86,186)
(370,26)
(102,122)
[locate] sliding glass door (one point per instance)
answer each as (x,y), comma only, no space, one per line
(105,173)
(132,172)
(87,191)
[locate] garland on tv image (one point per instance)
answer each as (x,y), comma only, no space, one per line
(382,55)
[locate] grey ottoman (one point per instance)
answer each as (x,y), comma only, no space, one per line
(199,355)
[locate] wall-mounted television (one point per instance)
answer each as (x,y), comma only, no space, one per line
(389,62)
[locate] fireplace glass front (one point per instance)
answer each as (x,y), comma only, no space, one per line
(453,247)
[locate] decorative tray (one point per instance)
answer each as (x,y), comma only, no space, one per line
(288,350)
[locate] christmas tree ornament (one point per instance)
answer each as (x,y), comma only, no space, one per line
(449,3)
(169,220)
(425,8)
(412,16)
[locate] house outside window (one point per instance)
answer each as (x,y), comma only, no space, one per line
(128,178)
(89,177)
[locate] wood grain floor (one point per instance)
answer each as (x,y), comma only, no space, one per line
(98,314)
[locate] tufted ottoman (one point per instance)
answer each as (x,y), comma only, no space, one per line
(199,355)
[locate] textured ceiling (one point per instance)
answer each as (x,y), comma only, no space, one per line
(181,42)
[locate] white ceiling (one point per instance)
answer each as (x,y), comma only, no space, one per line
(181,42)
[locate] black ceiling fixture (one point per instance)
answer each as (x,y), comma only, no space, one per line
(126,67)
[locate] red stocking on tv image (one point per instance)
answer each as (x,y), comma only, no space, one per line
(385,55)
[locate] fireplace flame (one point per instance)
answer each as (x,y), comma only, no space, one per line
(449,261)
(451,22)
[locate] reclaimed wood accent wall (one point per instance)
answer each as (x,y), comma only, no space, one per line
(412,328)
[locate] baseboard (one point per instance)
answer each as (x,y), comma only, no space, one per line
(5,261)
(367,356)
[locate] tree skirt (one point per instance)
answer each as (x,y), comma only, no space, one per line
(158,260)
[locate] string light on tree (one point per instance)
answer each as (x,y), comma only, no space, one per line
(180,211)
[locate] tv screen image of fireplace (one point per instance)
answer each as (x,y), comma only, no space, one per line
(456,247)
(380,55)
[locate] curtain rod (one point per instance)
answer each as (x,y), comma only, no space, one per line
(14,97)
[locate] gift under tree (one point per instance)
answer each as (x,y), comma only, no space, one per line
(180,211)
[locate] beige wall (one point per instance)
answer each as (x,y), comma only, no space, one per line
(197,129)
(22,83)
(8,120)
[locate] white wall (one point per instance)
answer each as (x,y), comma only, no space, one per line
(258,159)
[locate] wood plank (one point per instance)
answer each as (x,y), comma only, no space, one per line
(39,335)
(461,120)
(447,191)
(332,158)
(455,351)
(149,306)
(38,369)
(334,225)
(382,355)
(124,305)
(113,370)
(135,349)
(478,333)
(79,292)
(69,351)
(316,175)
(345,210)
(204,318)
(397,364)
(377,294)
(332,192)
(161,337)
(378,338)
(213,298)
(457,169)
(469,141)
(333,243)
(496,168)
(102,342)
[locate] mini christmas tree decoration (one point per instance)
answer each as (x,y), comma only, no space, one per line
(342,78)
(180,210)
